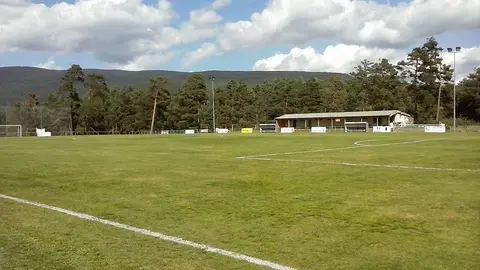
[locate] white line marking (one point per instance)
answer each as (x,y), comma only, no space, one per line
(357,145)
(360,143)
(155,234)
(366,165)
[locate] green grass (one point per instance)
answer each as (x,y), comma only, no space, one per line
(306,215)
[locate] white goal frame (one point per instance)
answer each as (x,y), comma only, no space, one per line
(19,129)
(356,124)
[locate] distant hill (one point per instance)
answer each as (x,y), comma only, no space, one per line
(17,82)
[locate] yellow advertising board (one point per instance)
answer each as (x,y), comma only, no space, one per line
(247,130)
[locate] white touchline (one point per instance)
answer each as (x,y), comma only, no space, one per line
(357,145)
(364,164)
(174,239)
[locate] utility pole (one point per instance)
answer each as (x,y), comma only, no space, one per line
(213,102)
(457,50)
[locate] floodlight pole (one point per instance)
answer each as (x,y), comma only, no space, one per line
(457,50)
(454,94)
(439,88)
(213,102)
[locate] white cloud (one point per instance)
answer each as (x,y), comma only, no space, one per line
(344,58)
(465,61)
(50,64)
(134,36)
(143,62)
(338,58)
(206,50)
(217,4)
(85,26)
(204,16)
(297,22)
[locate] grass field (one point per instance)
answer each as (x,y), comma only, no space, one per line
(348,208)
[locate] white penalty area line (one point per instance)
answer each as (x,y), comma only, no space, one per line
(173,239)
(357,144)
(366,165)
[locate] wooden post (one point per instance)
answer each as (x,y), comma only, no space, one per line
(153,114)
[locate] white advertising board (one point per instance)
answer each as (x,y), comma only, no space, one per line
(190,131)
(205,130)
(319,130)
(382,129)
(165,132)
(435,129)
(43,133)
(222,130)
(287,130)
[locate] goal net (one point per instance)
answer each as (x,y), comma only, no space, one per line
(356,126)
(10,131)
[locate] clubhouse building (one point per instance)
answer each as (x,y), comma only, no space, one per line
(338,119)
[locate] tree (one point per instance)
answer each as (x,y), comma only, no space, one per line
(94,109)
(469,97)
(409,71)
(281,96)
(260,105)
(236,104)
(120,115)
(335,95)
(3,116)
(190,108)
(424,71)
(157,91)
(376,86)
(67,95)
(25,113)
(359,86)
(310,97)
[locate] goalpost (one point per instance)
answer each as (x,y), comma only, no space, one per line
(268,128)
(11,131)
(356,126)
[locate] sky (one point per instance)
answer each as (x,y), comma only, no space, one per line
(198,35)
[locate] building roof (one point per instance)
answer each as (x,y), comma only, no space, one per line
(340,114)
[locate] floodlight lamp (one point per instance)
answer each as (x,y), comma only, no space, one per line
(458,49)
(449,49)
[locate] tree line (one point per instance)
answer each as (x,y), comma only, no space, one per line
(421,85)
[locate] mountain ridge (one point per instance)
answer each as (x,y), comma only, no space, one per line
(17,81)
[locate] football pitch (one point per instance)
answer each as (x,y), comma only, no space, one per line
(302,201)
